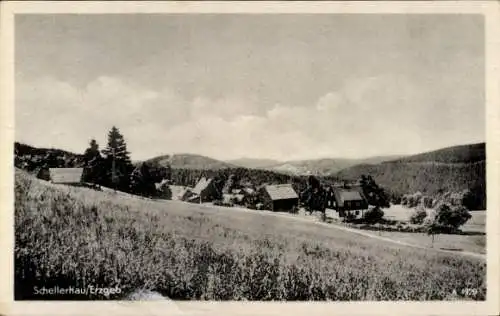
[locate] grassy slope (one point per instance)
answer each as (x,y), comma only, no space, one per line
(76,236)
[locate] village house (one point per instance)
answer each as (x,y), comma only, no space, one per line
(249,197)
(206,190)
(279,197)
(247,191)
(163,189)
(346,200)
(237,191)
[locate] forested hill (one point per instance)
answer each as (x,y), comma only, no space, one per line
(30,158)
(21,149)
(458,154)
(451,169)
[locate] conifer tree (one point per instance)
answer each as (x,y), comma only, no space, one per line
(118,163)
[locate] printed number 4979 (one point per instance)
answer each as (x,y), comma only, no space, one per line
(470,292)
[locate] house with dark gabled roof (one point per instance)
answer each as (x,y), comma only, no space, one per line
(280,197)
(349,200)
(206,190)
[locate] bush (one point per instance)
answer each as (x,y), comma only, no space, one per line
(164,192)
(418,216)
(473,199)
(373,216)
(448,218)
(411,200)
(396,199)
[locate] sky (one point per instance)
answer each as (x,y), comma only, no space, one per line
(282,87)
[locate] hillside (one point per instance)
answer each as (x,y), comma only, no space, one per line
(30,158)
(457,154)
(450,169)
(190,161)
(101,238)
(21,149)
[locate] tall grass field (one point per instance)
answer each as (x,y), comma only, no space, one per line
(67,236)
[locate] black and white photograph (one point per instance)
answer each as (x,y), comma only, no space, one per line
(251,157)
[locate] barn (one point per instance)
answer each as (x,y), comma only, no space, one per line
(69,176)
(206,190)
(279,197)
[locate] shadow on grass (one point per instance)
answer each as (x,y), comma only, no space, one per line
(470,233)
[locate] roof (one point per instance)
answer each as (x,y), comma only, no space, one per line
(201,185)
(281,192)
(66,175)
(161,184)
(185,193)
(248,191)
(348,195)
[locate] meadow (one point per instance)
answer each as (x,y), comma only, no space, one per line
(472,240)
(66,236)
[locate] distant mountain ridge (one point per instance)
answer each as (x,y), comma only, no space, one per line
(253,163)
(320,167)
(190,161)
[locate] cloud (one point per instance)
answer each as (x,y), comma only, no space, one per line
(366,116)
(52,112)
